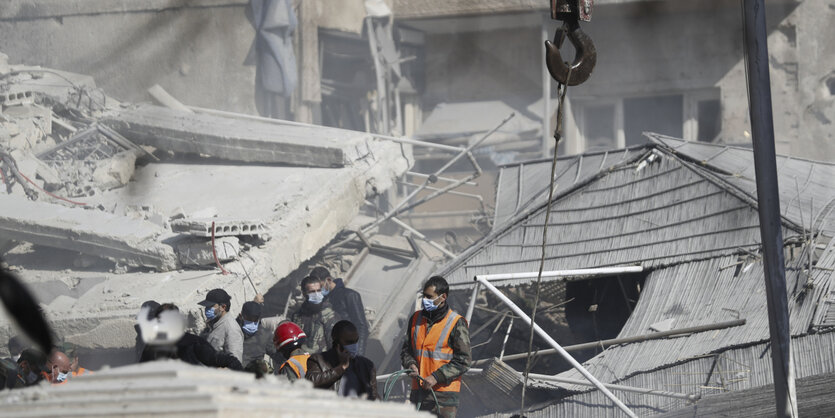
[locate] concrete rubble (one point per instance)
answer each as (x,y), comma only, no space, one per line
(107,205)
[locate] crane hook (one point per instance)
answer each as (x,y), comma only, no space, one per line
(585,56)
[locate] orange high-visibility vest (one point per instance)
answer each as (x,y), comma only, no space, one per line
(298,363)
(81,371)
(431,348)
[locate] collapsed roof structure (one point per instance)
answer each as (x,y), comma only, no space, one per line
(685,214)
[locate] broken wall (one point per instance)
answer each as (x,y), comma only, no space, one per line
(194,49)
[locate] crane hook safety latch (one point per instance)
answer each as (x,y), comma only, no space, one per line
(585,55)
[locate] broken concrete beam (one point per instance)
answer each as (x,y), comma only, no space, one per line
(223,227)
(198,252)
(126,241)
(225,138)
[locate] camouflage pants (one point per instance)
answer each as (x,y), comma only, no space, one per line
(448,402)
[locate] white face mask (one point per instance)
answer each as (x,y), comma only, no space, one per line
(315,297)
(61,377)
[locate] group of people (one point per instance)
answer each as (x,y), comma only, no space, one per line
(30,366)
(323,341)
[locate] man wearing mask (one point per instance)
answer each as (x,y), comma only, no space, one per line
(315,316)
(57,368)
(289,341)
(189,348)
(257,340)
(347,303)
(342,368)
(222,332)
(437,348)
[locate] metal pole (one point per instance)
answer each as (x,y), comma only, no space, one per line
(768,204)
(518,311)
(470,308)
(625,340)
(688,396)
(446,179)
(602,271)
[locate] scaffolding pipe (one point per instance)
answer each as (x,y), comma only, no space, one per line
(602,271)
(624,340)
(518,311)
(471,306)
(446,179)
(687,396)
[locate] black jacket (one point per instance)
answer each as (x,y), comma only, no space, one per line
(196,350)
(324,371)
(347,303)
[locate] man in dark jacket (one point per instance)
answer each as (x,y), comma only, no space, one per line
(347,303)
(315,316)
(190,349)
(258,341)
(342,368)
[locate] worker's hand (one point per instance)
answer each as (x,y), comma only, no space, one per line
(428,382)
(259,298)
(413,371)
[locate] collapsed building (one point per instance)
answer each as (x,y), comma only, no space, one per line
(106,205)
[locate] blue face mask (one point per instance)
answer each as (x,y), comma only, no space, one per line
(61,377)
(250,327)
(352,349)
(210,313)
(325,291)
(429,304)
(315,297)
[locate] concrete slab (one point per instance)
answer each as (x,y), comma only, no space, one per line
(222,227)
(127,241)
(229,139)
(169,388)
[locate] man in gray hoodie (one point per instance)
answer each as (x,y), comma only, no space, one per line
(222,332)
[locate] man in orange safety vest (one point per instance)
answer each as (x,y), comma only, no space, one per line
(437,348)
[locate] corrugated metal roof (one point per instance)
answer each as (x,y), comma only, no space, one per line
(525,185)
(730,370)
(807,188)
(662,214)
(689,217)
(701,293)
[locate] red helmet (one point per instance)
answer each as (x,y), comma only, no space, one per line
(286,333)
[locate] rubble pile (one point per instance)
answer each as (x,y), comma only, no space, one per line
(108,204)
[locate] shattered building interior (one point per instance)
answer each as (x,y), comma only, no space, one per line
(158,149)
